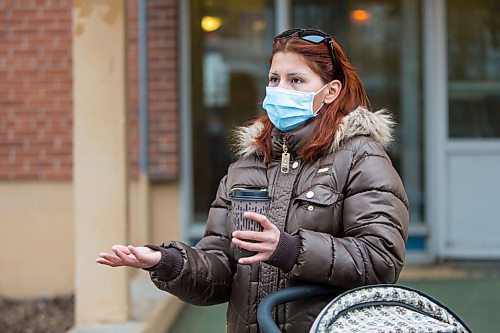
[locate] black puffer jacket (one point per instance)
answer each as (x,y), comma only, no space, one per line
(349,209)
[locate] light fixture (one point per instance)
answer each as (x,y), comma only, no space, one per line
(360,15)
(259,25)
(210,23)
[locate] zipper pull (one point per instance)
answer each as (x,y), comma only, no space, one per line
(285,159)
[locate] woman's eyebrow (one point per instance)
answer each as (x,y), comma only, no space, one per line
(289,74)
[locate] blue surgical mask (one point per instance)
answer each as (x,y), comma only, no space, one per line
(287,109)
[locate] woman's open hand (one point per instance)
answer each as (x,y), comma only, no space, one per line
(266,241)
(137,257)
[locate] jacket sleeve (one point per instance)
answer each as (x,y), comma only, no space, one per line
(206,274)
(375,226)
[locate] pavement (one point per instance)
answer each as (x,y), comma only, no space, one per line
(470,289)
(151,310)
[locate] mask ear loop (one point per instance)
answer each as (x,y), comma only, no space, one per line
(322,103)
(319,109)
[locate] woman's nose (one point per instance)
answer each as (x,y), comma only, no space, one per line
(283,85)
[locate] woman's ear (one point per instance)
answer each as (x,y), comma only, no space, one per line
(333,91)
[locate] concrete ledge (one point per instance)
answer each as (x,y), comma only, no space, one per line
(128,327)
(152,310)
(163,315)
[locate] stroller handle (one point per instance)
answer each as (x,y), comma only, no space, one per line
(265,308)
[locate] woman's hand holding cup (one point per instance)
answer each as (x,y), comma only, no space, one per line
(263,242)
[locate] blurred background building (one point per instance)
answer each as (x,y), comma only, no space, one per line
(115,118)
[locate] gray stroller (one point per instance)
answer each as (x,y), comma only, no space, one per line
(379,308)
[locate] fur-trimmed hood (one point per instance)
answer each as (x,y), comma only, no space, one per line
(379,125)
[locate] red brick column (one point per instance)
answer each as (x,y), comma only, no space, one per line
(163,92)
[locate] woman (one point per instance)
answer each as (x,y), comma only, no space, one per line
(338,214)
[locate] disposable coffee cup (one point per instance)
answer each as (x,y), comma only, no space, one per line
(248,200)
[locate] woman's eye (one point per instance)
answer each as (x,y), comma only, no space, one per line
(296,80)
(273,82)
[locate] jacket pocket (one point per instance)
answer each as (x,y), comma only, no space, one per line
(318,195)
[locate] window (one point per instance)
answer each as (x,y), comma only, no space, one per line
(473,69)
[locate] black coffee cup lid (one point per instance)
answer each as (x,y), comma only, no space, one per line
(244,193)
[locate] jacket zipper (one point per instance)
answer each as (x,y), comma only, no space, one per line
(285,158)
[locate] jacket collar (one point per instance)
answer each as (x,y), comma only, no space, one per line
(293,139)
(379,125)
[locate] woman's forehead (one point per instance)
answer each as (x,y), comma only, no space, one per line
(289,62)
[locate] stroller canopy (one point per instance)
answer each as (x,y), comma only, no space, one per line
(386,308)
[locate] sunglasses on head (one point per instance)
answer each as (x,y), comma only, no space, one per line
(311,36)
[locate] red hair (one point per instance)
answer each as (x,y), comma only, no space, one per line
(351,96)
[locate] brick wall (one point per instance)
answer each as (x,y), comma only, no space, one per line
(162,73)
(36,90)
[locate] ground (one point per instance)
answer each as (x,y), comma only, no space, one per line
(53,315)
(470,289)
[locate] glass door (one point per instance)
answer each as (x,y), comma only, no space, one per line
(382,40)
(230,47)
